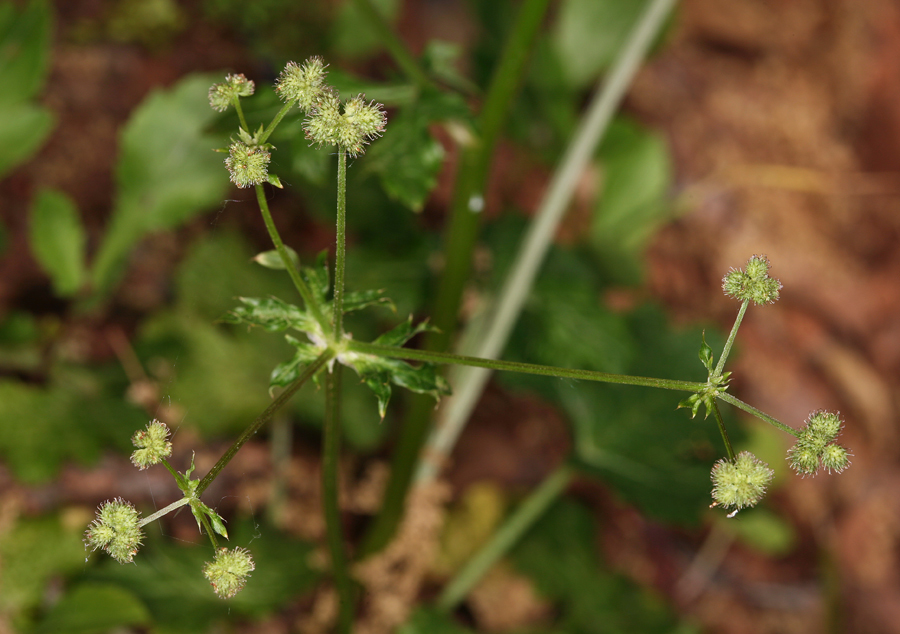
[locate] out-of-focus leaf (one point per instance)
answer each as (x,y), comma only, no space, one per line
(589,33)
(272,259)
(430,621)
(43,427)
(352,33)
(167,173)
(57,240)
(408,158)
(95,608)
(558,555)
(31,552)
(23,128)
(24,50)
(637,174)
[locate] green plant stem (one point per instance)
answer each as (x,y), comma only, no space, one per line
(729,450)
(308,298)
(262,419)
(209,530)
(164,511)
(527,513)
(728,398)
(331,446)
(461,235)
(340,248)
(526,368)
(469,382)
(720,366)
(394,45)
(240,113)
(275,121)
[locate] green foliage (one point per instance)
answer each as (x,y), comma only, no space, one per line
(633,203)
(57,239)
(352,34)
(24,51)
(167,173)
(32,551)
(558,555)
(430,621)
(95,608)
(588,34)
(74,417)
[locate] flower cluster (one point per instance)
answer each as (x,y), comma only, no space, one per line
(153,445)
(228,571)
(223,95)
(248,164)
(741,483)
(815,445)
(752,284)
(304,83)
(116,530)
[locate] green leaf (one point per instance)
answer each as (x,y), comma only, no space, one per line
(357,300)
(95,608)
(317,276)
(403,332)
(24,50)
(167,173)
(430,621)
(23,129)
(380,384)
(289,371)
(353,35)
(637,174)
(589,33)
(706,354)
(408,158)
(271,314)
(379,372)
(558,555)
(57,240)
(272,259)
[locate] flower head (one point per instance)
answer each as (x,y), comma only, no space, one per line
(302,83)
(740,483)
(753,284)
(116,530)
(223,95)
(349,126)
(153,445)
(229,570)
(815,445)
(247,164)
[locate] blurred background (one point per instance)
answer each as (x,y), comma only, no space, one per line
(755,127)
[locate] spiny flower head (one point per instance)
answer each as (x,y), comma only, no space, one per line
(221,96)
(116,530)
(247,164)
(816,447)
(153,445)
(741,483)
(753,284)
(350,127)
(228,571)
(302,83)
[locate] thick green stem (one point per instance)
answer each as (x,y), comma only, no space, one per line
(728,398)
(395,46)
(720,366)
(524,517)
(526,368)
(262,419)
(331,447)
(729,450)
(302,287)
(340,247)
(461,235)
